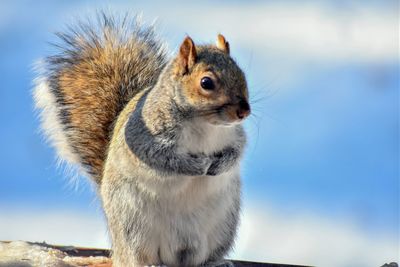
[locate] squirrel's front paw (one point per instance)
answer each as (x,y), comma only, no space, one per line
(212,171)
(201,164)
(215,167)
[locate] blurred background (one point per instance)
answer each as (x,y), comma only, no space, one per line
(321,172)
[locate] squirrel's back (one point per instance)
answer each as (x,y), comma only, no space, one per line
(82,89)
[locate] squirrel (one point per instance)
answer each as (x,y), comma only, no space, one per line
(161,136)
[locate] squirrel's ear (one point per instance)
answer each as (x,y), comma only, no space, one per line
(187,55)
(222,44)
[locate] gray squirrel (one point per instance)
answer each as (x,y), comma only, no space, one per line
(161,137)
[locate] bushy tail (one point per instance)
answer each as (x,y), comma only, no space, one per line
(81,90)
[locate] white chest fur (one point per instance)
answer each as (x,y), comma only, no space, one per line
(201,137)
(190,212)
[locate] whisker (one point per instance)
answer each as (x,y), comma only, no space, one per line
(256,122)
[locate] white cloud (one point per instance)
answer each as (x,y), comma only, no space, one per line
(294,29)
(276,40)
(265,235)
(64,227)
(288,30)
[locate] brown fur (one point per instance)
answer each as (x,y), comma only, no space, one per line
(187,55)
(213,62)
(91,111)
(95,75)
(222,44)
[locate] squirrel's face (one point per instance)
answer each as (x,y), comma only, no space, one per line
(210,83)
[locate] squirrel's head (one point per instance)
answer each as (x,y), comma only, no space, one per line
(210,82)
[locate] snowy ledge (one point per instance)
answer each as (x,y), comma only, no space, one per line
(28,254)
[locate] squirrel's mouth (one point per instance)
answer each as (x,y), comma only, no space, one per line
(227,114)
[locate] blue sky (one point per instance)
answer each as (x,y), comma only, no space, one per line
(323,141)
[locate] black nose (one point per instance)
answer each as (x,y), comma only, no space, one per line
(244,105)
(243,109)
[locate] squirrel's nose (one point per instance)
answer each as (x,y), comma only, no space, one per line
(243,109)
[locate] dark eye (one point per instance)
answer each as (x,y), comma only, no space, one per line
(207,83)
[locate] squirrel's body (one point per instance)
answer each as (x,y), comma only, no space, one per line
(167,160)
(188,218)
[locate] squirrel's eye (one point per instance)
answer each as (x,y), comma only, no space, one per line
(207,83)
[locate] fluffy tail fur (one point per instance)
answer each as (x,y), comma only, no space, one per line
(81,90)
